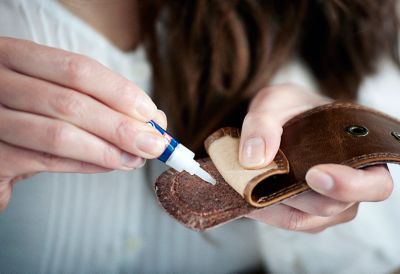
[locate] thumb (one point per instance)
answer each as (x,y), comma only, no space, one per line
(262,129)
(260,140)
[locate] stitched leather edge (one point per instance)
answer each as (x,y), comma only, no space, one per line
(225,131)
(165,188)
(336,105)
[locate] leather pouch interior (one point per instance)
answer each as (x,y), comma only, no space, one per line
(341,133)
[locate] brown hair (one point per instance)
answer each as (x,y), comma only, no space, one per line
(209,57)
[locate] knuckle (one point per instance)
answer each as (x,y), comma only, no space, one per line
(130,95)
(326,210)
(67,104)
(48,161)
(352,185)
(76,67)
(356,181)
(256,118)
(264,117)
(124,133)
(127,90)
(111,157)
(162,118)
(5,178)
(10,44)
(57,136)
(4,41)
(350,214)
(296,220)
(3,49)
(281,88)
(266,91)
(329,209)
(84,165)
(6,46)
(276,90)
(252,117)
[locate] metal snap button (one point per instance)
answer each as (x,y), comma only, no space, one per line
(396,135)
(356,130)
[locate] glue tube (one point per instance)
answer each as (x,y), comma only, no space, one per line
(180,157)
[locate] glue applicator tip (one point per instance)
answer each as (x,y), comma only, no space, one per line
(205,176)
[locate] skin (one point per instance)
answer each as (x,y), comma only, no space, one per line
(337,189)
(117,19)
(55,97)
(50,101)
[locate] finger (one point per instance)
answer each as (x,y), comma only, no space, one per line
(22,177)
(5,194)
(316,204)
(15,161)
(36,96)
(161,119)
(262,127)
(61,139)
(346,216)
(260,140)
(80,73)
(351,185)
(289,218)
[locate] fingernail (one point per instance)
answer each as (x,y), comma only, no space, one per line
(131,161)
(319,180)
(150,143)
(253,152)
(145,107)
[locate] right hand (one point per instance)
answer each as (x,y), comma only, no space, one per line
(63,112)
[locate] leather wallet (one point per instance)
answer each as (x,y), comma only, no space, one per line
(341,133)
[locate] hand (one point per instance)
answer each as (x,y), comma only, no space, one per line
(63,112)
(337,189)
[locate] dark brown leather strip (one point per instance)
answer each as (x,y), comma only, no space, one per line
(341,133)
(319,136)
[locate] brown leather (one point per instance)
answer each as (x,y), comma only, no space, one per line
(318,136)
(196,204)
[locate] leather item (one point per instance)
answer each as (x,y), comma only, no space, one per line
(223,148)
(341,133)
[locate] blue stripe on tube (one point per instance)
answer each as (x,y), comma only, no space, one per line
(170,142)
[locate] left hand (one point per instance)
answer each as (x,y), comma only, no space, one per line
(337,189)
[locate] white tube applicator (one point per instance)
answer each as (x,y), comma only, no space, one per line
(180,157)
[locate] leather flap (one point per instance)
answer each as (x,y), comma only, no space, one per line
(196,204)
(252,184)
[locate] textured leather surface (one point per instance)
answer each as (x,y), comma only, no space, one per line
(314,137)
(196,204)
